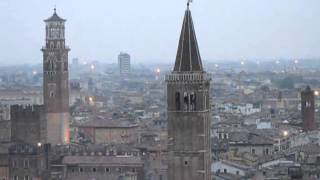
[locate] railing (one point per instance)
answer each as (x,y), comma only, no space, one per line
(188,77)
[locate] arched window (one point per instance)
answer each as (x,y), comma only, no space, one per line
(178,101)
(185,101)
(51,45)
(65,66)
(192,101)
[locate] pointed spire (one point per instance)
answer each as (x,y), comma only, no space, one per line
(55,16)
(188,56)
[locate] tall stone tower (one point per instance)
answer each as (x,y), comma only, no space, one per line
(308,110)
(188,107)
(56,81)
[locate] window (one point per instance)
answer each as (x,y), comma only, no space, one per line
(26,163)
(26,178)
(218,171)
(267,151)
(186,163)
(107,170)
(253,151)
(178,101)
(133,170)
(15,178)
(225,170)
(94,170)
(192,101)
(119,170)
(14,163)
(72,169)
(185,101)
(81,169)
(237,172)
(65,66)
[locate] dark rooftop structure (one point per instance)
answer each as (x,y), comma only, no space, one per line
(54,17)
(188,55)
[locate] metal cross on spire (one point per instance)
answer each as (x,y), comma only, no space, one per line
(189,1)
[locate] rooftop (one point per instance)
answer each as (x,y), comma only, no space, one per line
(55,17)
(188,56)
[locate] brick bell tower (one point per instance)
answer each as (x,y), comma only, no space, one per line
(56,81)
(308,110)
(188,107)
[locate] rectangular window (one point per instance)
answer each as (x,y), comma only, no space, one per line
(107,170)
(178,101)
(14,163)
(26,163)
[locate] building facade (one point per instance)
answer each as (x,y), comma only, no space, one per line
(124,63)
(188,107)
(103,167)
(28,124)
(308,110)
(56,81)
(29,162)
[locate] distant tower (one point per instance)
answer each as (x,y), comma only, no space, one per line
(307,110)
(56,81)
(188,107)
(124,63)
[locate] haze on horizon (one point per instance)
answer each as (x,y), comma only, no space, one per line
(149,30)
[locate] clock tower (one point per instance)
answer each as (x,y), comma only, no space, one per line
(56,81)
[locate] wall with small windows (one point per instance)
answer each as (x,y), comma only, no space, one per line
(227,167)
(107,167)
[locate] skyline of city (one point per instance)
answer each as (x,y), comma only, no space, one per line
(72,117)
(266,31)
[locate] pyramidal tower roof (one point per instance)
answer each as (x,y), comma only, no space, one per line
(54,17)
(188,56)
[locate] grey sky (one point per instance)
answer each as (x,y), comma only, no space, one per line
(149,29)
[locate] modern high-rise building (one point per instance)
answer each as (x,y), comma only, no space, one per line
(124,63)
(188,107)
(56,81)
(308,110)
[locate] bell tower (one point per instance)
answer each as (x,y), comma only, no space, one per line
(56,81)
(308,110)
(188,107)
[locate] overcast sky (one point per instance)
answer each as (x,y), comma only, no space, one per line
(149,29)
